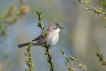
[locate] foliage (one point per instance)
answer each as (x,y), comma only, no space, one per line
(29,61)
(100,10)
(70,61)
(101,59)
(12,15)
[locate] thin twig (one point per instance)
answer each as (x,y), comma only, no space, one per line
(101,58)
(70,61)
(89,7)
(29,61)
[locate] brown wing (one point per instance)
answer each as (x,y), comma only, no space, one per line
(40,36)
(37,38)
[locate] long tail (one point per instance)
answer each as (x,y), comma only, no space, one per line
(23,45)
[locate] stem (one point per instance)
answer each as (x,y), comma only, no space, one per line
(45,43)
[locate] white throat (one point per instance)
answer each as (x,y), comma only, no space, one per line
(57,30)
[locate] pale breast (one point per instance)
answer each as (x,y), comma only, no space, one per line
(53,39)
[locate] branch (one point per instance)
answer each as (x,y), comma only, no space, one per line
(70,61)
(29,61)
(101,59)
(12,15)
(99,10)
(47,52)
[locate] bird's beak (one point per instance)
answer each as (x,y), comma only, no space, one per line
(61,27)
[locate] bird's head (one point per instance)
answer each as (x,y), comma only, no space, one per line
(55,27)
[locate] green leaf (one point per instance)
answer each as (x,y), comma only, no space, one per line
(100,56)
(45,53)
(72,58)
(80,1)
(67,59)
(14,20)
(26,69)
(51,67)
(47,46)
(69,69)
(48,60)
(66,63)
(95,11)
(88,8)
(39,24)
(62,50)
(32,65)
(25,53)
(104,63)
(43,28)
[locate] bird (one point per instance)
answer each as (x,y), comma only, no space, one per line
(52,37)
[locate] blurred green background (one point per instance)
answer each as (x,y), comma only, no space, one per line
(84,34)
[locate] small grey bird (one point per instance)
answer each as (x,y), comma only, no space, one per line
(52,37)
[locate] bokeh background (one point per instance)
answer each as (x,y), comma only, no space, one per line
(84,34)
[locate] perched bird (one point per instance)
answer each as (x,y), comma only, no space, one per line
(52,37)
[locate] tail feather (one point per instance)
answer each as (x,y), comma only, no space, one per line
(23,45)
